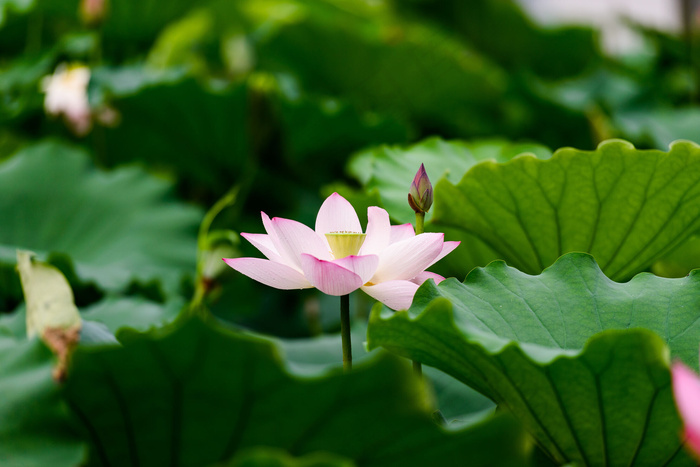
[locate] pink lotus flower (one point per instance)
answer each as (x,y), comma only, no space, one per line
(387,262)
(686,389)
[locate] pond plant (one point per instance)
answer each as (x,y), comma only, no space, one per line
(508,213)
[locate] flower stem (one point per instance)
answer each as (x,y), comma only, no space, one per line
(345,331)
(420,219)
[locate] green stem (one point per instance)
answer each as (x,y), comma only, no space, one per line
(201,285)
(420,220)
(345,331)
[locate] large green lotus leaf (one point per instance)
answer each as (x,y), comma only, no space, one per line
(196,393)
(117,227)
(575,356)
(390,169)
(374,59)
(626,207)
(199,132)
(34,422)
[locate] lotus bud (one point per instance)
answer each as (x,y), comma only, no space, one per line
(93,12)
(420,195)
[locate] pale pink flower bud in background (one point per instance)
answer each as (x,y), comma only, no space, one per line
(66,96)
(93,12)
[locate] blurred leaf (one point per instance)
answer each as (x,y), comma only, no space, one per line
(124,81)
(133,313)
(457,402)
(14,324)
(271,457)
(318,354)
(680,261)
(323,132)
(660,127)
(177,44)
(34,422)
(94,333)
(374,60)
(135,24)
(626,207)
(609,88)
(117,227)
(196,394)
(502,31)
(199,132)
(15,6)
(563,352)
(20,84)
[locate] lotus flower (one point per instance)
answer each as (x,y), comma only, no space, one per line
(686,389)
(387,262)
(66,94)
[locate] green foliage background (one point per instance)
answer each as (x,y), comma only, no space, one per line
(537,142)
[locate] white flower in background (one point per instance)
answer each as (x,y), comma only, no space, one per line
(66,95)
(610,17)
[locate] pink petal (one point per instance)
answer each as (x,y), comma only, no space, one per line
(447,248)
(401,232)
(425,275)
(337,215)
(397,295)
(293,239)
(408,258)
(378,231)
(264,244)
(686,389)
(285,257)
(363,266)
(267,223)
(328,277)
(277,275)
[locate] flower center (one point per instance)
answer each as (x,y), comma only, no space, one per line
(345,243)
